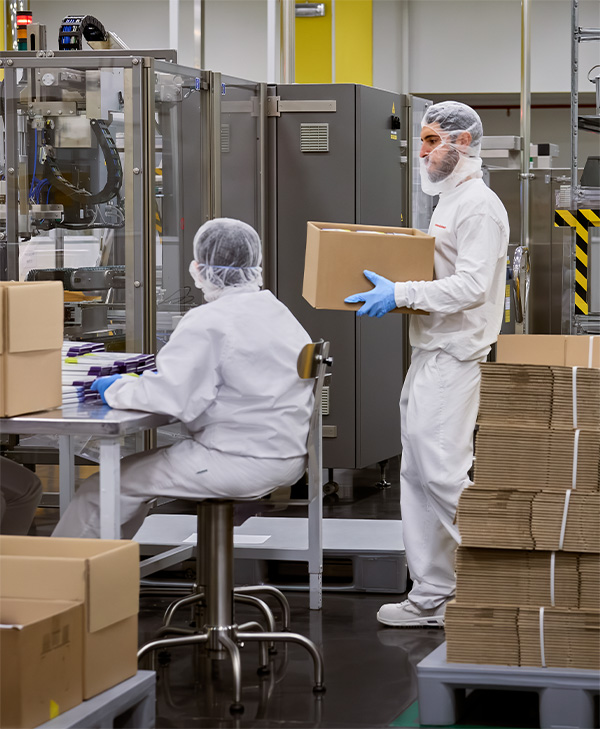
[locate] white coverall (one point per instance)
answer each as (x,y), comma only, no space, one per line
(20,493)
(229,374)
(440,396)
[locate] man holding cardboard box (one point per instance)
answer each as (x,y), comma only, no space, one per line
(440,396)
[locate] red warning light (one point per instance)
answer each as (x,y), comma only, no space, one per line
(24,17)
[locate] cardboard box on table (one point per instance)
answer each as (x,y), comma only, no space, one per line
(31,316)
(338,253)
(40,660)
(104,575)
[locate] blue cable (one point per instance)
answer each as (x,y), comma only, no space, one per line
(34,165)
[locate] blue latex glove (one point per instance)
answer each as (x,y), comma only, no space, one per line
(102,384)
(379,300)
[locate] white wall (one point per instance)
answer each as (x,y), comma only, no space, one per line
(452,46)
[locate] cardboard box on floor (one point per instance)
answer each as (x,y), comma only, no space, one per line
(104,574)
(338,253)
(32,315)
(40,660)
(575,350)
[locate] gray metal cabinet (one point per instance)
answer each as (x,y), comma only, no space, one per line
(341,166)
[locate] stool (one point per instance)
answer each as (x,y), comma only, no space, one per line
(220,634)
(214,592)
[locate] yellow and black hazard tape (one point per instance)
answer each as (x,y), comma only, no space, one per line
(580,221)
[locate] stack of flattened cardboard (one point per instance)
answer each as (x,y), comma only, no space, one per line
(529,519)
(482,634)
(557,637)
(581,411)
(513,577)
(538,457)
(515,394)
(522,636)
(528,570)
(589,584)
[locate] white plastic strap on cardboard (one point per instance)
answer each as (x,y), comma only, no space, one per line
(563,526)
(542,648)
(574,397)
(591,352)
(552,568)
(575,458)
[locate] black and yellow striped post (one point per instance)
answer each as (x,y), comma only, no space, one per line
(581,221)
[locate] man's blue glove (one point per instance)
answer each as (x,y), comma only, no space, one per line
(379,300)
(102,384)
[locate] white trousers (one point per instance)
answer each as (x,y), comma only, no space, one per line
(20,494)
(186,470)
(438,410)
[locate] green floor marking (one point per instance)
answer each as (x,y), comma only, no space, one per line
(410,718)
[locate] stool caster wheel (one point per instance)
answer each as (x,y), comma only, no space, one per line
(319,689)
(164,658)
(331,487)
(263,670)
(383,484)
(236,708)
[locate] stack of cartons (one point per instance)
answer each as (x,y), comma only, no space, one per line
(528,568)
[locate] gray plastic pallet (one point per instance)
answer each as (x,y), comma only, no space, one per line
(130,705)
(375,547)
(566,695)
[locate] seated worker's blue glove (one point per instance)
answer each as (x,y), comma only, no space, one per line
(379,300)
(102,384)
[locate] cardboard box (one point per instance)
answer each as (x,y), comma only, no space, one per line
(338,253)
(32,318)
(40,660)
(102,573)
(549,349)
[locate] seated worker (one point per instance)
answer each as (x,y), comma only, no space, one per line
(20,494)
(229,374)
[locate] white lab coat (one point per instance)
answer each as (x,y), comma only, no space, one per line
(440,396)
(229,374)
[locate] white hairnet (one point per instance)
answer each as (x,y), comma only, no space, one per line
(227,254)
(456,158)
(450,119)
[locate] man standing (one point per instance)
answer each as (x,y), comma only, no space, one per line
(440,396)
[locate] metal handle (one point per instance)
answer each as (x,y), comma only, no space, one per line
(521,266)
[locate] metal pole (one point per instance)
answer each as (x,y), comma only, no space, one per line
(574,96)
(287,41)
(525,130)
(174,24)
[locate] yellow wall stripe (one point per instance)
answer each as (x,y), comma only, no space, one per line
(354,41)
(312,58)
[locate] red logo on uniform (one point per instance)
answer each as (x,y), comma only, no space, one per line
(437,225)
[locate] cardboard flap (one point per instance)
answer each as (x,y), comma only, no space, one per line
(34,316)
(56,579)
(2,320)
(114,573)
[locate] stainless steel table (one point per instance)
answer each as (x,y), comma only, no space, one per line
(101,422)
